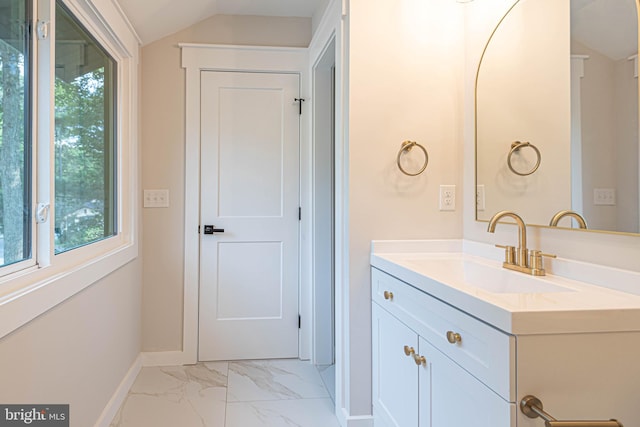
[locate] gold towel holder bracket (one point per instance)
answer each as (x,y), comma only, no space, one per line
(405,148)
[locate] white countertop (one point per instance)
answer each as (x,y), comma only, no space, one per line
(454,272)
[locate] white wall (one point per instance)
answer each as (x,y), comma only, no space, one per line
(318,15)
(77,352)
(404,83)
(628,146)
(163,145)
(614,250)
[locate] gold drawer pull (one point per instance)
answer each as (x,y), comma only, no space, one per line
(409,350)
(420,360)
(388,295)
(453,337)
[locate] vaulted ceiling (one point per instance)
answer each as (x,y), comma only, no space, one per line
(154,19)
(609,27)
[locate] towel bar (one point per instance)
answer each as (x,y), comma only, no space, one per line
(531,406)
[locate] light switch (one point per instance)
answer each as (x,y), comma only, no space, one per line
(156,198)
(604,196)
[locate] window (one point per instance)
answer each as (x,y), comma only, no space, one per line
(15,145)
(68,151)
(85,160)
(59,144)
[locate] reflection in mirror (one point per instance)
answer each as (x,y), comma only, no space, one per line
(561,77)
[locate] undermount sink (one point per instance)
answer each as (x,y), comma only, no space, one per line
(574,297)
(478,275)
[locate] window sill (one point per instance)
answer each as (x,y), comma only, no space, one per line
(20,306)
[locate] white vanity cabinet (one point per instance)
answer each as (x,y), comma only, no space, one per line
(581,361)
(422,379)
(570,338)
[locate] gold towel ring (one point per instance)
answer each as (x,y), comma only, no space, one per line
(516,146)
(407,146)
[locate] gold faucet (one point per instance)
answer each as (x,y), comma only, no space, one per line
(557,217)
(519,260)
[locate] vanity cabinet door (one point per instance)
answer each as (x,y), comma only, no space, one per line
(450,396)
(395,374)
(487,353)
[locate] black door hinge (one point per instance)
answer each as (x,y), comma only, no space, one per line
(299,213)
(299,321)
(198,229)
(299,101)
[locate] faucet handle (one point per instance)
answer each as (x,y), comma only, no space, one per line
(509,253)
(535,260)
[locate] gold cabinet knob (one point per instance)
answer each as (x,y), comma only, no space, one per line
(409,350)
(420,360)
(388,295)
(453,337)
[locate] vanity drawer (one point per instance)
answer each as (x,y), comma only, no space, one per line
(485,352)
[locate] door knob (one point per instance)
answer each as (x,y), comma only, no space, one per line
(388,295)
(210,229)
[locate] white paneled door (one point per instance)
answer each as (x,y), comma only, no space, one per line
(250,188)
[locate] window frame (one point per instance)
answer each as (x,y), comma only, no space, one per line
(113,128)
(29,129)
(51,279)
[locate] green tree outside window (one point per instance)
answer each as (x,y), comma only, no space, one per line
(84,137)
(15,171)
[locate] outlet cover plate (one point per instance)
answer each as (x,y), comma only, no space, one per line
(447,197)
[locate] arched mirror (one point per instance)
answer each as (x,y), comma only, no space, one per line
(557,114)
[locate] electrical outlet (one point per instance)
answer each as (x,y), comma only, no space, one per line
(480,197)
(447,197)
(156,198)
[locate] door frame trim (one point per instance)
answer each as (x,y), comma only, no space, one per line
(209,57)
(322,84)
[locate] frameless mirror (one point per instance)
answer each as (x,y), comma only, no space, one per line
(557,114)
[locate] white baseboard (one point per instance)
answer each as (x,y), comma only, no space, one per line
(163,358)
(120,394)
(347,420)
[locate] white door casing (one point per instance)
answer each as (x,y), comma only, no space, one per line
(249,187)
(197,58)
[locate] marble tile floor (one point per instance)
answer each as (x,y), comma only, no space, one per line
(271,393)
